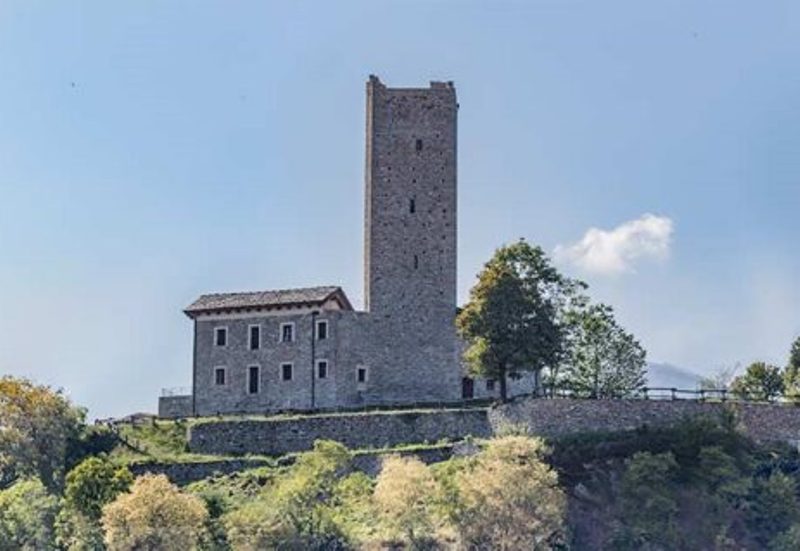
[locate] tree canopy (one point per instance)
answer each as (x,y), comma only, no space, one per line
(760,381)
(38,425)
(514,320)
(602,360)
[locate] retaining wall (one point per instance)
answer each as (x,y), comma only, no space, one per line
(356,430)
(761,422)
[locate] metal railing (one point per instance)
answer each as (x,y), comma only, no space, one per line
(664,393)
(176,391)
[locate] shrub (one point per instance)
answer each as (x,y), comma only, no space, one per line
(27,514)
(154,515)
(509,497)
(405,494)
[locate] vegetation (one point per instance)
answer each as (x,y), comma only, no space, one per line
(761,382)
(603,360)
(513,321)
(154,516)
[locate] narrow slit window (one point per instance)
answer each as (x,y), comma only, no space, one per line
(361,375)
(416,262)
(286,372)
(412,206)
(419,145)
(322,369)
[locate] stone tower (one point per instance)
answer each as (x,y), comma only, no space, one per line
(410,237)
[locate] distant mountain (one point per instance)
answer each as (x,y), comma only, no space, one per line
(661,375)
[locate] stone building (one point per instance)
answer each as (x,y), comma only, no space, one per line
(305,349)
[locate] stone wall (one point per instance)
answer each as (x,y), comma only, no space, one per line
(761,422)
(175,407)
(357,430)
(186,473)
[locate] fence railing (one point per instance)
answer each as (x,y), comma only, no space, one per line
(176,391)
(664,393)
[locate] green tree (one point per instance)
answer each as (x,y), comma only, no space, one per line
(648,503)
(38,425)
(27,515)
(773,507)
(513,321)
(90,486)
(791,375)
(294,512)
(509,497)
(760,381)
(154,516)
(603,360)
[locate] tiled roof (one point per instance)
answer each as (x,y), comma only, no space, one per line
(220,302)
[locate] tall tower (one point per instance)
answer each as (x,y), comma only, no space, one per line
(410,234)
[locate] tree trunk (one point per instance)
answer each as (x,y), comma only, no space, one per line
(503,384)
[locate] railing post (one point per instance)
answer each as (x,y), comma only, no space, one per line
(673,391)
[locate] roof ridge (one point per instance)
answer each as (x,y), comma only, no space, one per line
(287,290)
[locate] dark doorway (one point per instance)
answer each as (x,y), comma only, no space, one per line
(467,388)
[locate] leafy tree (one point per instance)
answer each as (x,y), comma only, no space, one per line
(603,361)
(791,375)
(510,497)
(38,425)
(787,541)
(405,494)
(773,507)
(648,503)
(89,487)
(761,381)
(513,321)
(294,512)
(27,514)
(154,516)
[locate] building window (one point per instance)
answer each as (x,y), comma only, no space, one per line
(419,145)
(286,372)
(322,330)
(412,206)
(255,337)
(490,384)
(416,262)
(322,369)
(361,375)
(252,379)
(221,336)
(287,332)
(219,376)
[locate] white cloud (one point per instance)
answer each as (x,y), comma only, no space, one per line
(611,252)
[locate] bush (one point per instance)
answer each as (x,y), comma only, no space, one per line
(509,498)
(154,515)
(404,494)
(27,515)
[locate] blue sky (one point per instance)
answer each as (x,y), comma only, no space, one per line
(151,151)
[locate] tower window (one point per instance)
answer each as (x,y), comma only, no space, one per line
(286,371)
(419,145)
(322,369)
(361,375)
(416,262)
(412,206)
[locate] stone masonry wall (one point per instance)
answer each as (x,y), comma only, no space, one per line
(175,407)
(359,430)
(761,422)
